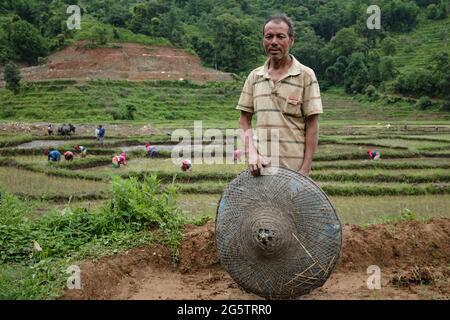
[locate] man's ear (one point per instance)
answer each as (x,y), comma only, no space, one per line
(292,40)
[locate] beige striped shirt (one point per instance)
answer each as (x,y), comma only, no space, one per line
(283,106)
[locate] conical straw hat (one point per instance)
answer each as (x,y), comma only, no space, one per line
(277,235)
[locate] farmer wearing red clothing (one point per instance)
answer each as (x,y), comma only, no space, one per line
(82,150)
(68,155)
(118,160)
(186,165)
(151,151)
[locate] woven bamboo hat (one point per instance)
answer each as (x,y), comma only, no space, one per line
(278,234)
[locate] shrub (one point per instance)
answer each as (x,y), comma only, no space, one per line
(371,92)
(424,103)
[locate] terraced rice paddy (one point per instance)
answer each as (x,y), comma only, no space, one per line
(412,176)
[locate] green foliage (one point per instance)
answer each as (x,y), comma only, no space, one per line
(356,74)
(424,103)
(371,92)
(234,39)
(143,205)
(346,42)
(400,15)
(125,221)
(26,41)
(389,46)
(12,77)
(99,36)
(437,11)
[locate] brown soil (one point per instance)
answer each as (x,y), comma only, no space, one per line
(414,258)
(125,61)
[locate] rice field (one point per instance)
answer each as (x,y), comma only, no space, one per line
(358,210)
(363,191)
(38,184)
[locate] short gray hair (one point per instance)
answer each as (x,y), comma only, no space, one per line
(284,18)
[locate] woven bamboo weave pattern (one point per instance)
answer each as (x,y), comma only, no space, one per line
(277,235)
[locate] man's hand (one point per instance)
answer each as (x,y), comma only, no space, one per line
(304,171)
(256,162)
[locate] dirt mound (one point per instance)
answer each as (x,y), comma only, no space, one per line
(396,245)
(104,278)
(198,249)
(125,61)
(413,256)
(388,245)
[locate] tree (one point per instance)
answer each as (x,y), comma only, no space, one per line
(387,68)
(99,36)
(400,15)
(12,77)
(356,74)
(389,46)
(236,44)
(26,41)
(346,42)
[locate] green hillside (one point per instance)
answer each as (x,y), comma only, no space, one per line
(182,102)
(414,49)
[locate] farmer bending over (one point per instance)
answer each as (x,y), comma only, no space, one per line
(68,155)
(53,155)
(118,160)
(82,150)
(151,151)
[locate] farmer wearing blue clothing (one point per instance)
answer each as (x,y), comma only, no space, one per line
(54,155)
(101,134)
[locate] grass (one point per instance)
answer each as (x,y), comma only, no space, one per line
(38,184)
(68,236)
(336,189)
(415,48)
(359,210)
(174,104)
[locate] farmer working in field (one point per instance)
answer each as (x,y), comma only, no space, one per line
(101,134)
(82,150)
(373,154)
(118,160)
(151,151)
(68,155)
(186,165)
(53,155)
(285,95)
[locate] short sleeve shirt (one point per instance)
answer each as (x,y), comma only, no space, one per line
(281,109)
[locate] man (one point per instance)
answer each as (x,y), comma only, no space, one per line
(152,152)
(53,155)
(101,134)
(82,150)
(186,165)
(68,155)
(118,160)
(50,129)
(285,96)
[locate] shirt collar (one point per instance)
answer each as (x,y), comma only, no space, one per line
(294,70)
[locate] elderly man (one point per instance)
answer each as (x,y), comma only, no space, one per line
(285,96)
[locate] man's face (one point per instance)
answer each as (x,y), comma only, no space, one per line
(276,39)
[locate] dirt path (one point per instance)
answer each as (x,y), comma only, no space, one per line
(414,259)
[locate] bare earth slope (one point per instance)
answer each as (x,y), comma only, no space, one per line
(125,61)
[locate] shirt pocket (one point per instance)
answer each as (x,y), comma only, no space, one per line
(292,106)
